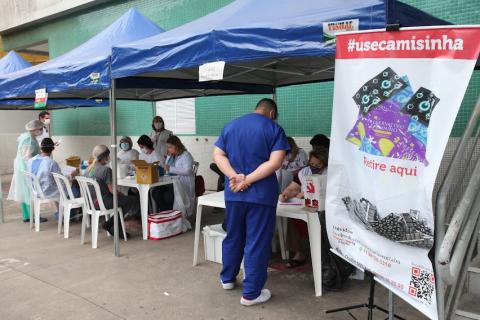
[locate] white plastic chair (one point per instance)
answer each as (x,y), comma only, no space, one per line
(67,202)
(86,186)
(37,198)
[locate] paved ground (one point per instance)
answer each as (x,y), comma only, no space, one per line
(43,276)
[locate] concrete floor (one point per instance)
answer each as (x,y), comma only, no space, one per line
(43,276)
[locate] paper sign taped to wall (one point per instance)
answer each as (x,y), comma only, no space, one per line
(211,71)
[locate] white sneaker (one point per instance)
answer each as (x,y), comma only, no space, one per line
(264,296)
(228,286)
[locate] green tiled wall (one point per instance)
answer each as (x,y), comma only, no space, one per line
(304,110)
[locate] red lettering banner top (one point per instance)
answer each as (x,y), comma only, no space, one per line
(448,43)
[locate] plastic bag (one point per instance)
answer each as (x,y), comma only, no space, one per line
(181,201)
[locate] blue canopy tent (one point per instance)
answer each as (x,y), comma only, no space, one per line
(268,43)
(12,62)
(271,42)
(84,73)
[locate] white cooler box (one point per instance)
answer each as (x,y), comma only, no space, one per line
(212,242)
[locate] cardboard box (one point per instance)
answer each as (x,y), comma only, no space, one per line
(315,191)
(73,161)
(146,173)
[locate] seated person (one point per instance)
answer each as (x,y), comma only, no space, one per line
(294,161)
(147,153)
(180,162)
(127,153)
(42,166)
(320,140)
(297,230)
(102,173)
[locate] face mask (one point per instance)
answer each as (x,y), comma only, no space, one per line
(124,146)
(46,121)
(315,170)
(143,150)
(158,125)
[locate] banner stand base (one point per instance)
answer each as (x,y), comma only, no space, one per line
(371,306)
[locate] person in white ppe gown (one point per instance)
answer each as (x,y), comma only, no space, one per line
(42,166)
(127,153)
(27,147)
(180,163)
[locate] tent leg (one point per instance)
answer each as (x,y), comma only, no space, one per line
(154,108)
(113,156)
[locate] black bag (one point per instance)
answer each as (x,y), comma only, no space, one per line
(335,270)
(199,186)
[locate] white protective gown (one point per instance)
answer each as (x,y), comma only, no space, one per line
(43,167)
(27,147)
(182,166)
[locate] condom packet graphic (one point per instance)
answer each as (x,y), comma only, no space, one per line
(418,130)
(386,115)
(395,144)
(380,88)
(421,105)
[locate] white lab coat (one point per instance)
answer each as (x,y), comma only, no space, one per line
(127,156)
(159,140)
(150,158)
(183,167)
(44,174)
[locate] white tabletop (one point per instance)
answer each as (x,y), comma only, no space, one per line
(132,182)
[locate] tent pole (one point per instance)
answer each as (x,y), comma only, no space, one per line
(113,157)
(274,95)
(154,108)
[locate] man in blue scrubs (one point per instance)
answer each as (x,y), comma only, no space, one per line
(249,151)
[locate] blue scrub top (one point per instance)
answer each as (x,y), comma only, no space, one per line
(248,142)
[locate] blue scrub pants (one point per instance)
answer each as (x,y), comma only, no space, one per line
(249,235)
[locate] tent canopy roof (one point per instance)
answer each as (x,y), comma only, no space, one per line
(83,72)
(12,62)
(270,42)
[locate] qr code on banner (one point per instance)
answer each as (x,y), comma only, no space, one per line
(422,284)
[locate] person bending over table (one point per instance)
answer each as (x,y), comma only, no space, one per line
(296,160)
(297,230)
(147,151)
(102,173)
(249,151)
(163,195)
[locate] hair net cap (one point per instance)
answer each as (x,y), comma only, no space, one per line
(99,150)
(34,125)
(127,140)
